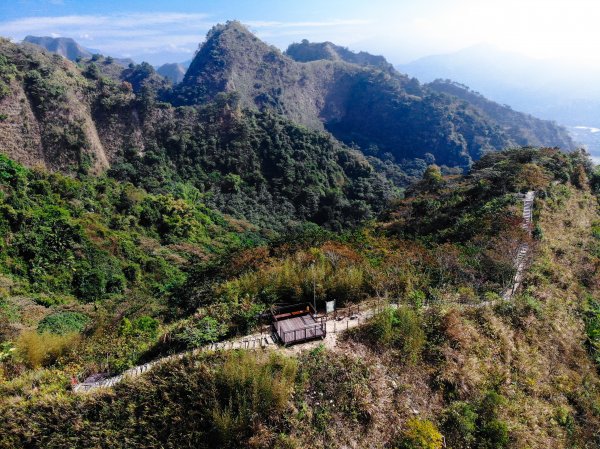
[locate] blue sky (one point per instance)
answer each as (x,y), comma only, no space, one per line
(402,30)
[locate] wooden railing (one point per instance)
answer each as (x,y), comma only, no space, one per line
(375,305)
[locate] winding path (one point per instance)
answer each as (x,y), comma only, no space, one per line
(265,341)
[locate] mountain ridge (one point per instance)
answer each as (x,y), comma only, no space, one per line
(306,51)
(330,94)
(64,46)
(385,113)
(175,72)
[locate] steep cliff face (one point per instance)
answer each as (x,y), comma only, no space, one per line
(233,60)
(46,117)
(357,97)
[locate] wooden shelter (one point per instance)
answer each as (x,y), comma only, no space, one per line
(297,323)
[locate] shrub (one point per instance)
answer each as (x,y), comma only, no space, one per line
(201,332)
(62,323)
(6,351)
(4,90)
(417,298)
(144,326)
(249,391)
(95,280)
(492,433)
(591,310)
(37,349)
(400,329)
(460,425)
(48,300)
(340,385)
(420,434)
(520,308)
(538,232)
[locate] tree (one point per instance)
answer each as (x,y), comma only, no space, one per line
(432,178)
(580,178)
(531,176)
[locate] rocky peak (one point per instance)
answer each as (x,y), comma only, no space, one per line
(306,51)
(225,47)
(174,72)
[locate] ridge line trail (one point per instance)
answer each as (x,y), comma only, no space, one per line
(266,341)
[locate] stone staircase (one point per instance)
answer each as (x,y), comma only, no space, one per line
(520,261)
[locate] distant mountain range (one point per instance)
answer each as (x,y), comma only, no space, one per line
(359,98)
(545,88)
(69,49)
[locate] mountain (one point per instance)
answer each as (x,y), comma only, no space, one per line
(548,89)
(99,278)
(45,118)
(265,138)
(358,103)
(64,46)
(502,114)
(68,48)
(172,71)
(154,236)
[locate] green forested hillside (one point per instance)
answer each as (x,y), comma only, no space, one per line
(530,130)
(245,148)
(450,360)
(257,166)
